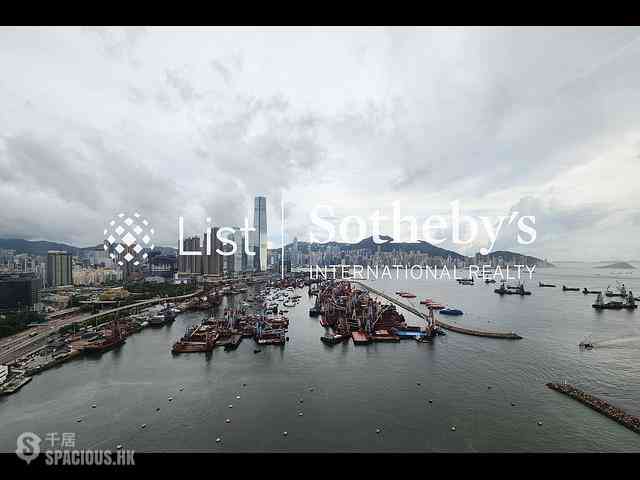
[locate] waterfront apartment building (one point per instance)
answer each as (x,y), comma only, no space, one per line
(20,292)
(59,269)
(212,264)
(260,239)
(190,263)
(237,262)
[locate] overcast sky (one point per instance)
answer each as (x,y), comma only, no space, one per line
(196,122)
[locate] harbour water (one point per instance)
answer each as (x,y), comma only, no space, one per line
(493,391)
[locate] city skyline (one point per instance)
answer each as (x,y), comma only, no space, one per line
(489,117)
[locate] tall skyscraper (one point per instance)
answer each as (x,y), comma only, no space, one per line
(260,224)
(59,269)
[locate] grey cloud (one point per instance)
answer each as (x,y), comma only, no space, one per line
(222,70)
(119,43)
(476,114)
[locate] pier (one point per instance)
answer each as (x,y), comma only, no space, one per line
(446,326)
(605,408)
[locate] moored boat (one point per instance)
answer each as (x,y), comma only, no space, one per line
(333,339)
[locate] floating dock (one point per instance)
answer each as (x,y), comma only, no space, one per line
(12,386)
(446,326)
(605,408)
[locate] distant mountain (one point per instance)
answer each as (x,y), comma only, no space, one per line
(618,266)
(38,247)
(419,246)
(41,247)
(512,257)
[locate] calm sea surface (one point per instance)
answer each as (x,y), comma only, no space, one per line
(359,389)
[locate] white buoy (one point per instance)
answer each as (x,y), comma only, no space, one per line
(453,429)
(378,430)
(285,433)
(539,423)
(144,425)
(300,414)
(119,447)
(237,397)
(230,406)
(218,440)
(79,420)
(228,420)
(93,406)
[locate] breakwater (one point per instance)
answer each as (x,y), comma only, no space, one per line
(614,413)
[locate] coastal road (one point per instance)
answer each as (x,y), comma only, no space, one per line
(25,342)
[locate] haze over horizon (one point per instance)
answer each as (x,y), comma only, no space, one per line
(197,121)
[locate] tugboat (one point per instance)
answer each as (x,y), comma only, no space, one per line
(502,290)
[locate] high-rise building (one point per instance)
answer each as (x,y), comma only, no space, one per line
(240,257)
(212,264)
(238,261)
(295,253)
(260,224)
(190,263)
(20,291)
(59,268)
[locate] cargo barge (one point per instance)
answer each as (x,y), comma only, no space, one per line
(605,408)
(201,338)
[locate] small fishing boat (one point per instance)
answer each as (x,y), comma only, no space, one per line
(570,289)
(546,285)
(451,311)
(587,291)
